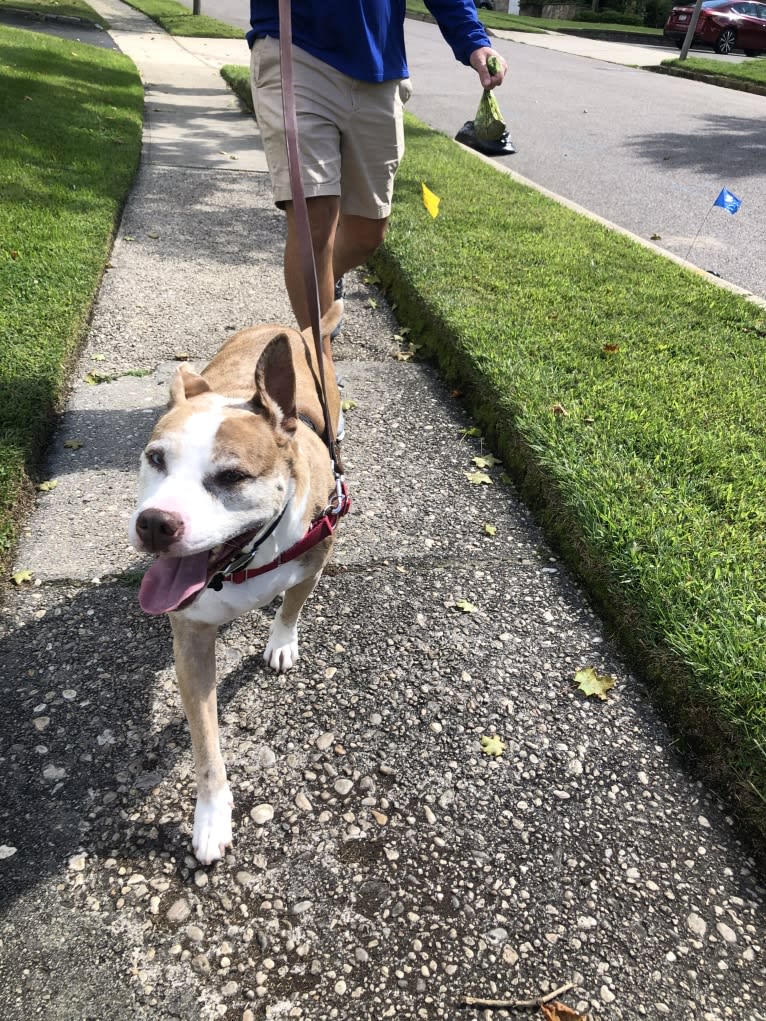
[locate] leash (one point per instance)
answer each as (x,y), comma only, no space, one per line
(301,214)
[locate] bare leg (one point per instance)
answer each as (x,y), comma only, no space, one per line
(340,242)
(323,221)
(356,239)
(281,652)
(194,648)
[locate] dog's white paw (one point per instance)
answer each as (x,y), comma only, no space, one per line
(281,652)
(212,826)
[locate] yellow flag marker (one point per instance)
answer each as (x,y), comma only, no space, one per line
(430,201)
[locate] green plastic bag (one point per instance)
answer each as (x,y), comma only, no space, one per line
(488,122)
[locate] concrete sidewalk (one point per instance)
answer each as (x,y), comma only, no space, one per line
(403,868)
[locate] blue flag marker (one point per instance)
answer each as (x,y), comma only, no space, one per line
(728,201)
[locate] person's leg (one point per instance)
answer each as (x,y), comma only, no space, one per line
(323,215)
(356,239)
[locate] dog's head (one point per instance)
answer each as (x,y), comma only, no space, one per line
(214,468)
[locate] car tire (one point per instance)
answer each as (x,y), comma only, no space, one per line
(726,41)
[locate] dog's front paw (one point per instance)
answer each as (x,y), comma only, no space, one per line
(212,826)
(282,649)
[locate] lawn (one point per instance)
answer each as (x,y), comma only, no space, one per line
(177,19)
(753,71)
(54,8)
(70,139)
(517,23)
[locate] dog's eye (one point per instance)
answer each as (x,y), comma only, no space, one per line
(230,477)
(156,459)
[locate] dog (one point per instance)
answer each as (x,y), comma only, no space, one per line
(237,499)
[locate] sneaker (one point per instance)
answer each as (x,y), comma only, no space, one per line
(340,432)
(340,290)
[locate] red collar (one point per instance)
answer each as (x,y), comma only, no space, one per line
(319,529)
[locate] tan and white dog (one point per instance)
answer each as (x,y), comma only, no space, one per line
(233,476)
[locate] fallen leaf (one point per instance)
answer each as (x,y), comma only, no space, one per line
(20,577)
(372,303)
(474,432)
(486,461)
(404,356)
(656,237)
(610,349)
(348,405)
(457,394)
(559,409)
(591,683)
(492,745)
(72,444)
(490,529)
(464,606)
(557,1011)
(45,487)
(98,358)
(478,478)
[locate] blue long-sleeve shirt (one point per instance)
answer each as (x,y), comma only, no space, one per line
(365,38)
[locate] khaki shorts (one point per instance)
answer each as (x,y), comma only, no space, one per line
(350,133)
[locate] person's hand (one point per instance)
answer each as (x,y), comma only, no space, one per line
(478,61)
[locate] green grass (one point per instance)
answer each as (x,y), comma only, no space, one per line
(652,483)
(70,139)
(748,71)
(177,19)
(60,8)
(517,23)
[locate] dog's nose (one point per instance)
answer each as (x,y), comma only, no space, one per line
(159,529)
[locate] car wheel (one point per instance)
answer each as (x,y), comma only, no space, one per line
(726,41)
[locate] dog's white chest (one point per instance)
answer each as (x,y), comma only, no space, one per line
(211,607)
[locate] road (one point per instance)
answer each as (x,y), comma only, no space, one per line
(646,151)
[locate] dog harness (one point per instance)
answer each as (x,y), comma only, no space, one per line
(322,527)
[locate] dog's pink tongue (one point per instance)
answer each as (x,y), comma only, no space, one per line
(172,580)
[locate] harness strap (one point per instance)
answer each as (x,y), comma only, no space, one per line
(320,528)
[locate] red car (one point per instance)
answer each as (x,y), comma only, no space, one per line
(725,25)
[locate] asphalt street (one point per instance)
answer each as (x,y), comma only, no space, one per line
(384,864)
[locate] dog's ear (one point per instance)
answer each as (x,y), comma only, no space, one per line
(275,383)
(186,383)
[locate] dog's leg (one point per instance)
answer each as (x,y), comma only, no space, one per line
(194,648)
(281,651)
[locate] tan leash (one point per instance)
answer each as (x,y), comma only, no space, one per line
(300,212)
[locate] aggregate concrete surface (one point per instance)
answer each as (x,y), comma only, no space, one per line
(383,865)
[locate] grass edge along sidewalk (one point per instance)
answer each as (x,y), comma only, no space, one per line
(70,141)
(625,394)
(617,387)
